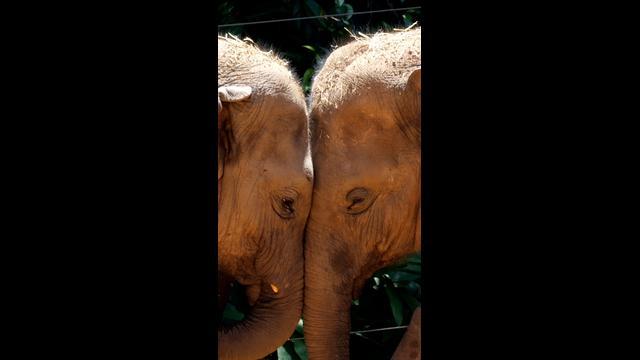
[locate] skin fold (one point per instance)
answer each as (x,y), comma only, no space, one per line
(265,181)
(366,145)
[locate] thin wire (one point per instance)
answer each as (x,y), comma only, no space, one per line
(366,331)
(316,17)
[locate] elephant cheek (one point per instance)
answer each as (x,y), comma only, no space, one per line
(357,291)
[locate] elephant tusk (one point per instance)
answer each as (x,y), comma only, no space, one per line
(274,288)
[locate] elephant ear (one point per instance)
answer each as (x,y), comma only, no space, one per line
(415,83)
(233,93)
(226,95)
(415,80)
(413,92)
(229,94)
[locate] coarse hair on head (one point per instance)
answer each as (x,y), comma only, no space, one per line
(386,58)
(243,62)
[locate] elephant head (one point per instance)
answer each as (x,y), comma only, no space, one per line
(264,195)
(366,145)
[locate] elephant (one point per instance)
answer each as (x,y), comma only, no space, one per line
(365,110)
(265,181)
(409,347)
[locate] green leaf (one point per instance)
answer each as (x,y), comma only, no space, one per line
(409,300)
(408,20)
(396,305)
(313,50)
(230,312)
(306,80)
(412,268)
(404,276)
(283,354)
(301,349)
(287,352)
(300,327)
(346,9)
(412,289)
(339,3)
(417,258)
(313,7)
(308,75)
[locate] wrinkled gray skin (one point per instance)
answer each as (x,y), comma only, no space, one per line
(366,201)
(264,196)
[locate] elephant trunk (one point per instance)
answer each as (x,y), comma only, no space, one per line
(326,308)
(271,321)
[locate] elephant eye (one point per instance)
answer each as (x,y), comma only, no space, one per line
(359,200)
(287,204)
(284,205)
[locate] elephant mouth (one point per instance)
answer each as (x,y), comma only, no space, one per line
(233,303)
(247,311)
(236,298)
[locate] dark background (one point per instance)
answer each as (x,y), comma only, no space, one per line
(109,248)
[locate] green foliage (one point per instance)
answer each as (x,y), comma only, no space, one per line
(292,351)
(388,300)
(232,313)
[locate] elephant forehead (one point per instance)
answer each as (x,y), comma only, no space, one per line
(307,166)
(363,126)
(366,64)
(241,62)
